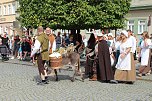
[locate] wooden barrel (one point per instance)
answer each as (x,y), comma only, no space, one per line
(56,62)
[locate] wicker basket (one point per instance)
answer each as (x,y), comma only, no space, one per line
(55,63)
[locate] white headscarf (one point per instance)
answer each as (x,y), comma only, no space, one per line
(99,34)
(125,33)
(110,34)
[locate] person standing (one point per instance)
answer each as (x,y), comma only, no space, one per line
(65,39)
(71,41)
(29,40)
(124,68)
(78,41)
(111,40)
(112,58)
(10,45)
(90,55)
(5,40)
(104,70)
(145,55)
(58,40)
(117,47)
(41,47)
(52,40)
(133,41)
(25,47)
(20,50)
(16,46)
(33,58)
(85,41)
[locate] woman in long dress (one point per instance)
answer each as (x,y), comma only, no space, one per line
(124,66)
(145,55)
(90,53)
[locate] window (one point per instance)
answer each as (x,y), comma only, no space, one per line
(5,10)
(13,8)
(9,9)
(130,25)
(141,26)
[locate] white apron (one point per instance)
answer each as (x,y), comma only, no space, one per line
(145,52)
(125,63)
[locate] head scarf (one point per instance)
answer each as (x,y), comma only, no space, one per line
(125,33)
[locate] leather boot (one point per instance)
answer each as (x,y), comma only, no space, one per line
(94,78)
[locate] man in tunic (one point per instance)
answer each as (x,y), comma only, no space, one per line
(104,70)
(41,48)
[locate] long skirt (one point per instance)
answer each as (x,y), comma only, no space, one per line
(126,75)
(146,69)
(89,66)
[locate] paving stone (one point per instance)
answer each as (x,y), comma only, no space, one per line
(18,83)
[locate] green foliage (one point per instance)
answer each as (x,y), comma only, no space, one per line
(73,14)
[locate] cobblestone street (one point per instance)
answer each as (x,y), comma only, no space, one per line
(18,83)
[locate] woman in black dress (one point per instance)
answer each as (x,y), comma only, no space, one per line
(90,53)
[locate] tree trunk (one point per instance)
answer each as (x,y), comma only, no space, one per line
(73,33)
(75,37)
(115,33)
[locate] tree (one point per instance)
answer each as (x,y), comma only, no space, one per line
(73,14)
(111,12)
(40,12)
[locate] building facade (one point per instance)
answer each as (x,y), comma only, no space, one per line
(7,16)
(139,16)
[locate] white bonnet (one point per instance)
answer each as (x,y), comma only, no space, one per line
(125,33)
(99,34)
(110,34)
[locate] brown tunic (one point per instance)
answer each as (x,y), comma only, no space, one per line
(104,70)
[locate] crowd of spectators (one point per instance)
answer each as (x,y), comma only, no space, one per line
(20,47)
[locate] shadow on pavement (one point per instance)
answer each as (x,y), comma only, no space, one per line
(148,80)
(52,78)
(18,63)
